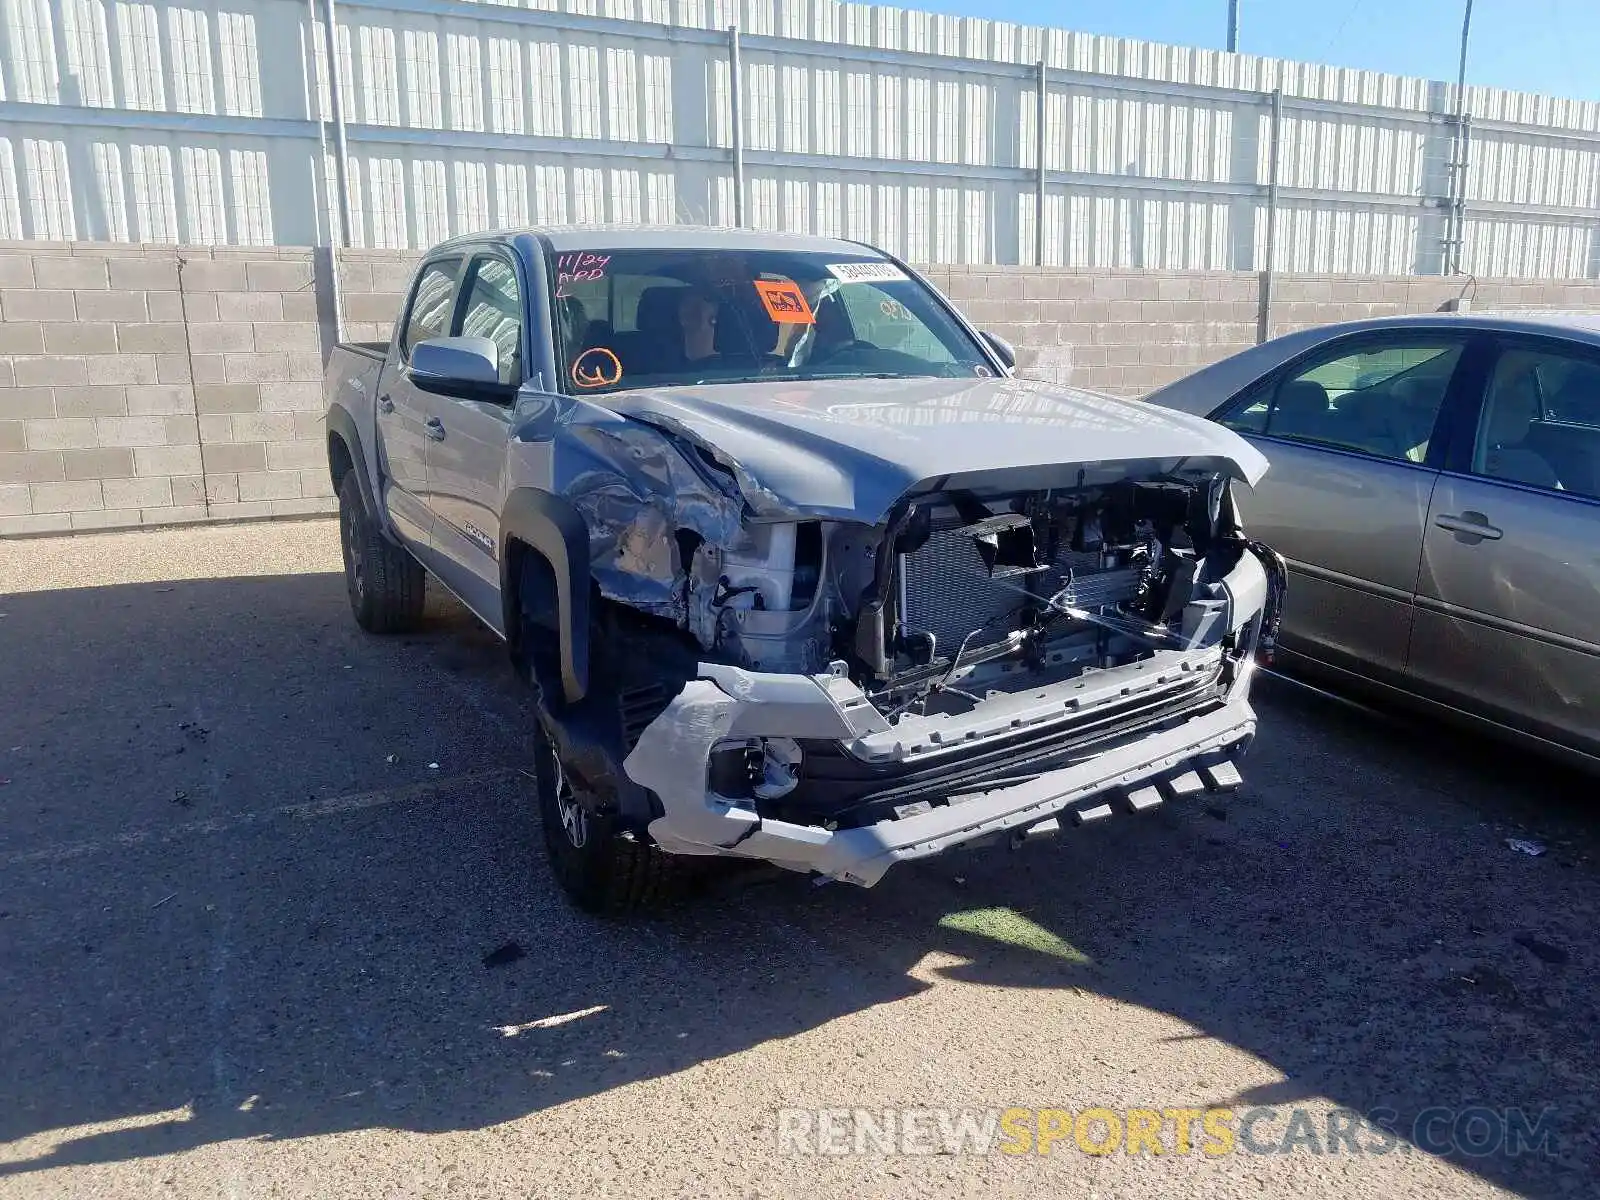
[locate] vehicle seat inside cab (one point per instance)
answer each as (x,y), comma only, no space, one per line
(1395,420)
(583,332)
(1301,411)
(1507,445)
(744,330)
(1568,436)
(655,344)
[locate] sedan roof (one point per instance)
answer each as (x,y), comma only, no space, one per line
(1575,324)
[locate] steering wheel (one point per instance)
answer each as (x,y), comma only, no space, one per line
(853,346)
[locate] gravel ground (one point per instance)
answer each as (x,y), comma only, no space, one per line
(252,862)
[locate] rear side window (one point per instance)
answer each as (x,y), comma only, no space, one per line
(1541,420)
(432,301)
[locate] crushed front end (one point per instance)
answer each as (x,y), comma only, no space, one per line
(987,662)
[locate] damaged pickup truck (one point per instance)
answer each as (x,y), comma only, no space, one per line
(799,571)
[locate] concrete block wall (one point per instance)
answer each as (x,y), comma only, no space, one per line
(1128,332)
(1124,332)
(1300,301)
(143,385)
(372,284)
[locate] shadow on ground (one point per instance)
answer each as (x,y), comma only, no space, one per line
(219,892)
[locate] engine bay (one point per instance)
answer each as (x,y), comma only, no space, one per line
(966,593)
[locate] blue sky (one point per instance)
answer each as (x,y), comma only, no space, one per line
(1550,46)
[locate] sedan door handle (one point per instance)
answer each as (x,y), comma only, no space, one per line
(385,405)
(1469,524)
(435,428)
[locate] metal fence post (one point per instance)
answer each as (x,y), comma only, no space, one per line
(1264,311)
(1039,187)
(319,196)
(736,106)
(1450,256)
(1459,232)
(341,148)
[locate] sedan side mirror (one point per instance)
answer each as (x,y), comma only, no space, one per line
(465,367)
(1002,348)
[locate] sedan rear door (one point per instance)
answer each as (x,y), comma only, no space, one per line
(1349,429)
(1508,596)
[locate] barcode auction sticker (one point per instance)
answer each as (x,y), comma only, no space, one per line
(866,272)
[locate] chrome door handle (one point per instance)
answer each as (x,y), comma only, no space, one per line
(1469,524)
(435,428)
(385,405)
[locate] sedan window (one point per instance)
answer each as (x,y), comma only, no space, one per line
(1541,421)
(1381,399)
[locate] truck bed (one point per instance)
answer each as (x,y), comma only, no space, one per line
(351,383)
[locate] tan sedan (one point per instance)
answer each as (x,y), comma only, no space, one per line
(1435,489)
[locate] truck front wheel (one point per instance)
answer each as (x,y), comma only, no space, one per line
(386,585)
(603,867)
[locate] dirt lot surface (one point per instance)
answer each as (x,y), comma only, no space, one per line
(252,863)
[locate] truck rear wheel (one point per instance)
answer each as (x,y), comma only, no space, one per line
(604,868)
(387,586)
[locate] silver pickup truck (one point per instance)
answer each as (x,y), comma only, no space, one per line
(799,571)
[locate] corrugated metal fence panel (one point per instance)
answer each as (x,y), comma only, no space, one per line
(198,121)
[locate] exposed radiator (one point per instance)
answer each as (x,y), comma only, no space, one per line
(948,591)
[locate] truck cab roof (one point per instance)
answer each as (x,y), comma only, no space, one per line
(561,238)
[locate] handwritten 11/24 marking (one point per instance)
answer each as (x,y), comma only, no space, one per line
(579,267)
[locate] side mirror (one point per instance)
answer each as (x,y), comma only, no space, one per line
(1002,348)
(465,367)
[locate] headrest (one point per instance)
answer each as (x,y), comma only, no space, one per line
(658,310)
(1513,406)
(1300,401)
(1578,397)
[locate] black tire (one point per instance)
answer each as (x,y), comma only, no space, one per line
(387,586)
(604,869)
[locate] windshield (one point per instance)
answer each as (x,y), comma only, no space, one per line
(663,318)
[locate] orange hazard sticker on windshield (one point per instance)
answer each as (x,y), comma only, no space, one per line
(785,302)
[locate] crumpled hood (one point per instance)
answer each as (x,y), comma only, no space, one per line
(848,449)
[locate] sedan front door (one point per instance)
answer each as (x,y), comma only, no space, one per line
(1508,597)
(1349,431)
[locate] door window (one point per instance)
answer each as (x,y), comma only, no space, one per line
(432,301)
(1541,421)
(1379,398)
(494,311)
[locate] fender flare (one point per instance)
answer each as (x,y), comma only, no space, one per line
(1277,593)
(340,422)
(553,529)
